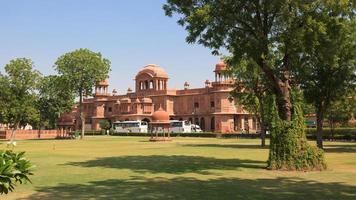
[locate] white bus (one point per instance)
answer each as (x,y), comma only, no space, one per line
(180,126)
(130,127)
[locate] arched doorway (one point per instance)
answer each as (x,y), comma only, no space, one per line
(202,124)
(196,121)
(236,123)
(110,122)
(146,120)
(212,124)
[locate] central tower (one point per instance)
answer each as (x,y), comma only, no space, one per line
(151,78)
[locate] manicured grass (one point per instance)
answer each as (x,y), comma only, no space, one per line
(107,167)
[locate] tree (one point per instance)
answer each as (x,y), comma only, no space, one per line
(18,94)
(329,64)
(273,35)
(250,91)
(105,125)
(341,111)
(14,168)
(55,97)
(82,69)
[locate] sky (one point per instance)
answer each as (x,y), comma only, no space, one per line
(130,33)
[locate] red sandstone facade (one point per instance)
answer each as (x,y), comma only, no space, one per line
(209,106)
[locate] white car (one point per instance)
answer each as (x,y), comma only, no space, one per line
(196,128)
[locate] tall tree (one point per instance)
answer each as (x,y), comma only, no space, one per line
(272,34)
(251,91)
(54,98)
(18,94)
(82,69)
(329,63)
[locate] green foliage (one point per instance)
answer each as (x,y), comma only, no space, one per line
(82,69)
(250,89)
(105,124)
(341,111)
(345,133)
(18,93)
(274,35)
(289,149)
(14,168)
(328,64)
(55,98)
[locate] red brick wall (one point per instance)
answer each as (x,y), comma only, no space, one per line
(34,134)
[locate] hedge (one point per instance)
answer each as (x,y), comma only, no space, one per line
(339,134)
(336,134)
(203,135)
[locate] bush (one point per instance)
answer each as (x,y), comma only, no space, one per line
(336,134)
(14,168)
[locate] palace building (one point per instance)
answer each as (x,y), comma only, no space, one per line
(209,107)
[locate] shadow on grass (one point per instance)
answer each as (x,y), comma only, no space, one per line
(340,148)
(189,188)
(176,164)
(332,148)
(237,146)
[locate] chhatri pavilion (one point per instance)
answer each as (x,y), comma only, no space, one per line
(209,107)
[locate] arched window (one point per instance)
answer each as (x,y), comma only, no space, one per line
(146,85)
(212,124)
(202,124)
(151,84)
(196,121)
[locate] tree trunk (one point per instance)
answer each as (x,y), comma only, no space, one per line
(13,134)
(319,126)
(289,149)
(263,135)
(263,131)
(284,101)
(82,117)
(332,128)
(262,121)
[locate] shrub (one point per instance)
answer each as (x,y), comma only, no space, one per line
(14,168)
(335,134)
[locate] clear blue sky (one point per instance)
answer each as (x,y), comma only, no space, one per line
(130,33)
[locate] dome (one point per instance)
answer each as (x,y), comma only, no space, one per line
(103,83)
(153,71)
(146,100)
(221,66)
(160,116)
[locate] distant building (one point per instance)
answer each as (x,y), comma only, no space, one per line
(209,106)
(6,126)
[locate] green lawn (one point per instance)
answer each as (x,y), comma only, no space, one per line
(186,168)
